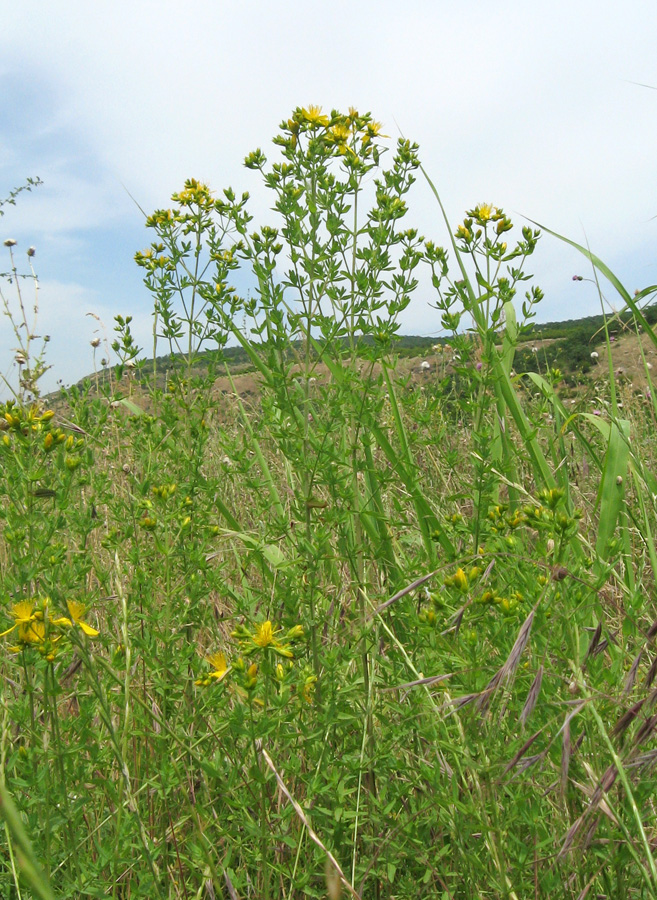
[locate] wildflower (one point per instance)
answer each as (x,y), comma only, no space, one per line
(76,611)
(308,690)
(459,580)
(10,242)
(483,213)
(266,636)
(313,116)
(374,128)
(35,636)
(340,133)
(31,635)
(220,670)
(23,614)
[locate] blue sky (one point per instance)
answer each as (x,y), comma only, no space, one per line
(529,106)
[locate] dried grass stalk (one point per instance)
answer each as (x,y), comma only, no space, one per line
(520,753)
(313,836)
(404,591)
(627,718)
(650,674)
(433,679)
(232,893)
(631,675)
(532,697)
(645,730)
(508,670)
(595,640)
(565,756)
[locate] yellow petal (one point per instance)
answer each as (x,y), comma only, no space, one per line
(23,611)
(218,661)
(77,610)
(32,632)
(88,630)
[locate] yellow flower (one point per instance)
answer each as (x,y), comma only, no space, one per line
(374,129)
(484,212)
(308,690)
(29,635)
(218,663)
(340,133)
(264,634)
(76,611)
(220,670)
(23,615)
(313,116)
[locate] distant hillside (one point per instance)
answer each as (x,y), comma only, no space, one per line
(567,345)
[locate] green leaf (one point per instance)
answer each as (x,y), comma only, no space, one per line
(131,406)
(275,556)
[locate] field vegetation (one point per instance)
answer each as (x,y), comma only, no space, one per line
(367,630)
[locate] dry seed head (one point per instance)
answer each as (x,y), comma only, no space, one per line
(333,885)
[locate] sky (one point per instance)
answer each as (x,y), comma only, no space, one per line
(544,109)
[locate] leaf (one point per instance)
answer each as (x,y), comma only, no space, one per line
(275,556)
(131,406)
(612,486)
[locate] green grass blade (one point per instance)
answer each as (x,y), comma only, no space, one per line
(611,495)
(27,861)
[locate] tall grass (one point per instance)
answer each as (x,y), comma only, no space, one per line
(357,635)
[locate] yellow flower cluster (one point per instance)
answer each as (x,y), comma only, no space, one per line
(349,135)
(481,216)
(195,193)
(266,637)
(36,628)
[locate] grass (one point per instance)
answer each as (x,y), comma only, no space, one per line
(351,634)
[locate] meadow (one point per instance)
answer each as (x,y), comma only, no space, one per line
(354,633)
